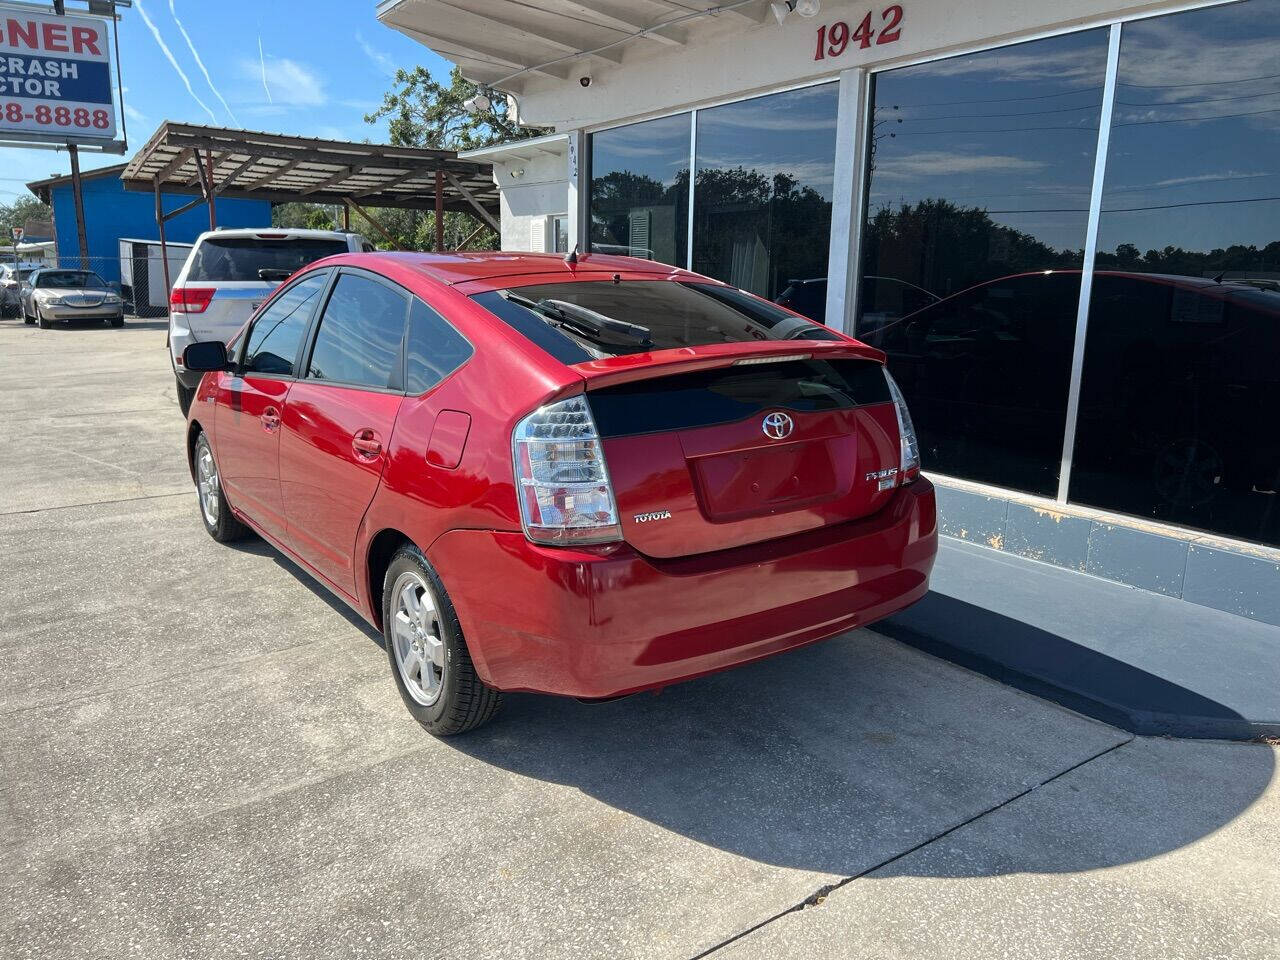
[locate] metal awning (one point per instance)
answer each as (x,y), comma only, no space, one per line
(182,158)
(505,42)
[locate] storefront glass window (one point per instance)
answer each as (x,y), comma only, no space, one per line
(1181,386)
(640,190)
(762,195)
(977,206)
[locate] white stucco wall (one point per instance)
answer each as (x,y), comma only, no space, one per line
(542,190)
(731,58)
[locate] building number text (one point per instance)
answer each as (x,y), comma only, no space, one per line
(834,39)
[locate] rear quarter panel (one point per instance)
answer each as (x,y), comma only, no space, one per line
(504,379)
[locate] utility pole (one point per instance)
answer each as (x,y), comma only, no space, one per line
(77,191)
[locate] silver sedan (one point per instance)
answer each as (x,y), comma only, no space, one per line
(54,294)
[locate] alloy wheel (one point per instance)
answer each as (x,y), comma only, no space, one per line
(207,483)
(416,638)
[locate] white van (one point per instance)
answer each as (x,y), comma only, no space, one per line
(227,276)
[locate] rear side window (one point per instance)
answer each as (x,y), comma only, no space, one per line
(434,351)
(240,258)
(588,320)
(277,332)
(360,334)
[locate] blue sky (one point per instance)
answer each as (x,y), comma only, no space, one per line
(327,63)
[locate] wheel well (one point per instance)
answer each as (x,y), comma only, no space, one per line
(381,549)
(193,430)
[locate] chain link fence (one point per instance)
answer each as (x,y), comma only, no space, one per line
(138,278)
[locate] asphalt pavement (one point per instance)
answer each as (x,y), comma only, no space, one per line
(202,754)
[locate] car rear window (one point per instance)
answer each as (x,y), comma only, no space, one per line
(591,320)
(240,258)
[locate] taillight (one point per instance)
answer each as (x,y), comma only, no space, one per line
(909,465)
(190,299)
(561,478)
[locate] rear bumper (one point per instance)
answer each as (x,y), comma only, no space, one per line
(604,623)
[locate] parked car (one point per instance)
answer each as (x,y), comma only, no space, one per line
(883,299)
(228,274)
(53,294)
(586,479)
(11,280)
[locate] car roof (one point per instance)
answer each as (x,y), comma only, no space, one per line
(456,268)
(299,233)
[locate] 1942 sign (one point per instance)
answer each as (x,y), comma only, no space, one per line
(836,38)
(55,76)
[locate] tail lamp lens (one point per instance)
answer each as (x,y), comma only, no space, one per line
(190,299)
(561,477)
(909,467)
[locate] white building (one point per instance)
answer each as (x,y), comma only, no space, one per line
(1060,220)
(533,185)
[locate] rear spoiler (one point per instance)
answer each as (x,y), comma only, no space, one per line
(665,363)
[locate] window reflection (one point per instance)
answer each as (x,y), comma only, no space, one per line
(640,190)
(762,195)
(978,198)
(1180,389)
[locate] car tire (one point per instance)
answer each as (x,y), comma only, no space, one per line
(215,512)
(452,699)
(185,396)
(40,319)
(117,321)
(27,318)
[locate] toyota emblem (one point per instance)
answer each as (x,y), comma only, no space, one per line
(778,426)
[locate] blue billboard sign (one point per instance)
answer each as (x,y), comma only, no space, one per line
(55,77)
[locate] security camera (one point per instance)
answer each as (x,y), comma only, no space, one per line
(585,81)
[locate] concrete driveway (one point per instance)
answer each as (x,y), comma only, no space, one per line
(203,755)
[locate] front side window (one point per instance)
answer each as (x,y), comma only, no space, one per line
(1181,385)
(977,207)
(588,320)
(272,348)
(640,190)
(762,195)
(360,334)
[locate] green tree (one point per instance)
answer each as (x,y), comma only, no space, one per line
(17,214)
(423,112)
(426,113)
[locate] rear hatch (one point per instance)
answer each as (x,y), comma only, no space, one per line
(724,420)
(738,454)
(237,273)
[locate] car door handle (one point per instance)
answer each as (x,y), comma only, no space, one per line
(366,444)
(270,418)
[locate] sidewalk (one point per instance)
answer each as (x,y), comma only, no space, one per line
(1147,663)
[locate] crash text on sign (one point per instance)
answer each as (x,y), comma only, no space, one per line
(35,78)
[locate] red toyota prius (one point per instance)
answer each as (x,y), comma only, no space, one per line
(582,477)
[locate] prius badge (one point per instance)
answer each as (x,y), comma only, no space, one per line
(777,426)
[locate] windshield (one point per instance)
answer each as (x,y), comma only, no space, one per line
(241,258)
(587,320)
(69,280)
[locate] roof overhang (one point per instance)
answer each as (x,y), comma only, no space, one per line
(552,145)
(269,166)
(505,43)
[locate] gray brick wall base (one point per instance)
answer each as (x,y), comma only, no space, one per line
(1236,578)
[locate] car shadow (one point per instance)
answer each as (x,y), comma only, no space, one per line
(258,547)
(840,756)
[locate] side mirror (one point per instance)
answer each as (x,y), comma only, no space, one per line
(208,355)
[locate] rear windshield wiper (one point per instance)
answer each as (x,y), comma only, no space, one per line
(585,322)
